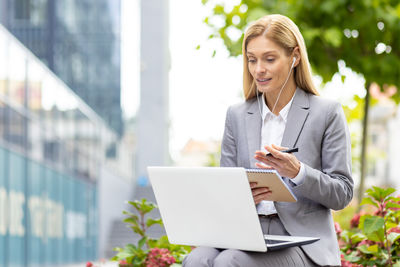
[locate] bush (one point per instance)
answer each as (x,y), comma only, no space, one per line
(148,252)
(374,237)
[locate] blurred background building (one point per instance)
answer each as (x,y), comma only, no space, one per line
(59,192)
(383,155)
(67,159)
(66,162)
(79,41)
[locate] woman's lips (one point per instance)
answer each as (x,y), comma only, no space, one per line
(263,81)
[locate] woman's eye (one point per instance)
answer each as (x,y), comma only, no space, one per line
(251,60)
(270,59)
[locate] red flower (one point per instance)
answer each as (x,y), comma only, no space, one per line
(396,202)
(366,242)
(123,263)
(159,258)
(355,220)
(394,230)
(337,228)
(344,262)
(89,264)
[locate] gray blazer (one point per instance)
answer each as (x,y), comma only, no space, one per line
(318,128)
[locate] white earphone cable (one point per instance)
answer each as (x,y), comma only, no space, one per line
(280,91)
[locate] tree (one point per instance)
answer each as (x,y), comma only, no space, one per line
(365,34)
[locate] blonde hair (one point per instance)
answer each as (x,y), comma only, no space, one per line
(281,30)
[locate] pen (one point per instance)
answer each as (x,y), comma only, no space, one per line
(291,150)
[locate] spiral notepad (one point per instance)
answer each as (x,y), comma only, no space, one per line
(271,179)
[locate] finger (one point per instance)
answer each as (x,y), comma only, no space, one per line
(252,185)
(260,191)
(273,162)
(275,153)
(261,159)
(259,198)
(279,147)
(260,153)
(263,166)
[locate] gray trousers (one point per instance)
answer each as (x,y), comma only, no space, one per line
(212,257)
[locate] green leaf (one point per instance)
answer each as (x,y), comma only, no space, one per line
(163,242)
(197,47)
(387,192)
(142,242)
(352,257)
(364,249)
(130,247)
(214,52)
(131,220)
(151,222)
(377,236)
(353,238)
(127,213)
(390,224)
(117,249)
(138,230)
(333,36)
(129,251)
(356,238)
(379,194)
(218,9)
(146,206)
(368,201)
(392,237)
(373,248)
(373,224)
(135,204)
(392,205)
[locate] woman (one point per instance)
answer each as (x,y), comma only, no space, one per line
(283,110)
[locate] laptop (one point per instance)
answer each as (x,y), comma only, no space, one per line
(212,207)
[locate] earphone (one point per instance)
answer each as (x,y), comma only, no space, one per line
(280,91)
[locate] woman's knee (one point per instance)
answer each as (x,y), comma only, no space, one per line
(232,258)
(201,256)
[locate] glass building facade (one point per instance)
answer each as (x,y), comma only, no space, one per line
(51,147)
(79,40)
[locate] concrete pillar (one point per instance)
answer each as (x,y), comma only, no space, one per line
(153,116)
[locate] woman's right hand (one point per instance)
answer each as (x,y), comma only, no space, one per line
(259,193)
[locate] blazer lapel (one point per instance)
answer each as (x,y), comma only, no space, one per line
(297,116)
(253,131)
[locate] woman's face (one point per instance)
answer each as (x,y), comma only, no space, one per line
(268,64)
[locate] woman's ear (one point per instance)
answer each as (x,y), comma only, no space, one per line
(296,55)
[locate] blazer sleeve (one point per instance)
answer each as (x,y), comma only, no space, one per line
(228,146)
(332,186)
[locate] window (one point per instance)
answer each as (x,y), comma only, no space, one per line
(33,11)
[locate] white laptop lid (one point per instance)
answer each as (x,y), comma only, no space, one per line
(189,197)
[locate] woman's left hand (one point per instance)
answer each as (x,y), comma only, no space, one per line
(286,164)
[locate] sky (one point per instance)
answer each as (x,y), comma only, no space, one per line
(201,87)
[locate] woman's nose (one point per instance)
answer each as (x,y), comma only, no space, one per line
(260,68)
